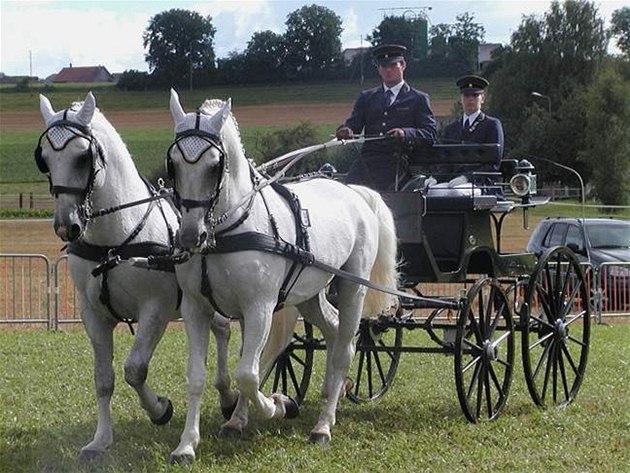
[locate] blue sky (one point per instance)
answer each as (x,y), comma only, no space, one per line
(44,36)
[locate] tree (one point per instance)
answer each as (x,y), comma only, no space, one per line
(312,41)
(466,36)
(608,135)
(265,56)
(620,29)
(180,43)
(558,56)
(411,33)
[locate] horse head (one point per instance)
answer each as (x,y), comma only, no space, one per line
(198,162)
(68,154)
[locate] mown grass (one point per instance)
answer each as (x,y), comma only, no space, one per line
(48,413)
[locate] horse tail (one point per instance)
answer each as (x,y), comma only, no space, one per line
(385,268)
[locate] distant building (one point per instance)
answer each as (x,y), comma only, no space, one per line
(348,54)
(485,54)
(84,74)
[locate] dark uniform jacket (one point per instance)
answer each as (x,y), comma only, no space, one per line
(379,163)
(484,129)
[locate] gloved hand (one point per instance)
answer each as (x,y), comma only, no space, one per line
(344,133)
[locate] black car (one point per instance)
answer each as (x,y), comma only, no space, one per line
(602,242)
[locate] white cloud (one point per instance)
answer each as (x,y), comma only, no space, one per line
(68,35)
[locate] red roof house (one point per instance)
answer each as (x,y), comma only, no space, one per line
(84,74)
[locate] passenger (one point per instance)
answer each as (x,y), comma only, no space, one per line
(475,126)
(393,109)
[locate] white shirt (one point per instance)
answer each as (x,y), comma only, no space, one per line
(471,118)
(395,89)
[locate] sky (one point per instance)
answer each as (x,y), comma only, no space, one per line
(41,37)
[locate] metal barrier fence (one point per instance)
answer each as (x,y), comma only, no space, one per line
(35,292)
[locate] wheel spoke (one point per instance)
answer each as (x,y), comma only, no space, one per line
(472,362)
(543,356)
(362,356)
(542,339)
(563,375)
(486,383)
(377,361)
(547,304)
(550,362)
(569,357)
(473,380)
(495,379)
(479,390)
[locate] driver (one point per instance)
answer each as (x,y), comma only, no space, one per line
(393,109)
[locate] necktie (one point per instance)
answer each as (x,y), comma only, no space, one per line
(389,97)
(466,125)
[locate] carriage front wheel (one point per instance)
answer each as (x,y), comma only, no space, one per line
(555,328)
(484,351)
(291,372)
(376,360)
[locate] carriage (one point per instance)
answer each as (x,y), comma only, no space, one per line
(445,235)
(452,235)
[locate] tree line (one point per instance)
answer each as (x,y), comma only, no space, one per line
(561,97)
(179,48)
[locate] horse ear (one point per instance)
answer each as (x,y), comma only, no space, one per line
(46,108)
(218,119)
(176,108)
(86,112)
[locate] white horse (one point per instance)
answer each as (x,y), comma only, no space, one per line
(348,228)
(90,168)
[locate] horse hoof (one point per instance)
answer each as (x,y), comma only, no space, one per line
(228,432)
(291,407)
(167,415)
(181,460)
(319,439)
(228,411)
(88,456)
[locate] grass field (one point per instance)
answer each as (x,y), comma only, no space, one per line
(48,413)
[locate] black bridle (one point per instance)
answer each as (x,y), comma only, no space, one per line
(94,150)
(206,141)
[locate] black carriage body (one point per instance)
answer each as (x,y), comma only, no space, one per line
(444,238)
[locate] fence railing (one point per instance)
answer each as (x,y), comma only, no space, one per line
(34,291)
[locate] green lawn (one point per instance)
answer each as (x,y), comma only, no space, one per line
(110,98)
(48,413)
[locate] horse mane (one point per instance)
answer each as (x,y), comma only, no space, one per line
(210,106)
(106,134)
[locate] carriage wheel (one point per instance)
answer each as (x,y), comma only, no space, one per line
(291,372)
(555,328)
(484,351)
(376,360)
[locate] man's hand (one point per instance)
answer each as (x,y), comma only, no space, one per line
(344,133)
(396,133)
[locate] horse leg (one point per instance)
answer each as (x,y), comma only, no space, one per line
(324,316)
(351,298)
(228,397)
(197,325)
(100,332)
(256,326)
(150,330)
(280,335)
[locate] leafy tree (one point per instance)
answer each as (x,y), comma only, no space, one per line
(558,56)
(265,56)
(312,41)
(620,29)
(440,34)
(179,42)
(466,36)
(134,80)
(233,69)
(411,33)
(607,141)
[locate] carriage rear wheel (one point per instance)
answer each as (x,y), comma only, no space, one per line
(291,372)
(555,328)
(484,351)
(376,360)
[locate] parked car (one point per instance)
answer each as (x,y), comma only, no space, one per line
(602,242)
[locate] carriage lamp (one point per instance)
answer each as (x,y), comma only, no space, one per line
(523,183)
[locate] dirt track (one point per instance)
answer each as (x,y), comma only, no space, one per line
(267,115)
